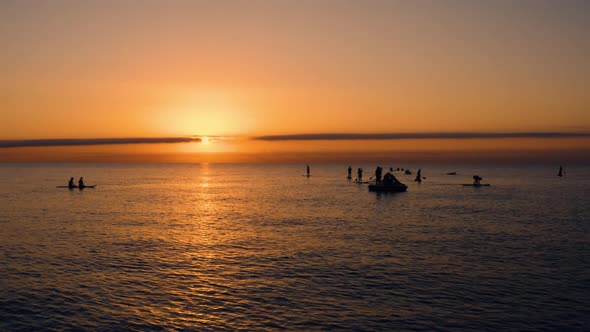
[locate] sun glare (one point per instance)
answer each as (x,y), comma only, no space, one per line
(206,113)
(205,140)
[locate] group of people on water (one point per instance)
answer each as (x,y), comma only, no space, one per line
(359,174)
(387,179)
(71,184)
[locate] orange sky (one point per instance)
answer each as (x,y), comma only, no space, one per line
(101,69)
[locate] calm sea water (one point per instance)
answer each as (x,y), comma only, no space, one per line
(262,247)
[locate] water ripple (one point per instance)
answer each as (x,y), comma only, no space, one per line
(254,251)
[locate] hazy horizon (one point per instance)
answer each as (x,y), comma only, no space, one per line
(142,154)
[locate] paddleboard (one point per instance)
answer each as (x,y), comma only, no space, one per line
(76,187)
(476,185)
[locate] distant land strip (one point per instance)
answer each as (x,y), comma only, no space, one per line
(391,136)
(92,141)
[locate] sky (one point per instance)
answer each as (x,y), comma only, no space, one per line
(233,71)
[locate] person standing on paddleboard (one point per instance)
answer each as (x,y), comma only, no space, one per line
(378,173)
(477,180)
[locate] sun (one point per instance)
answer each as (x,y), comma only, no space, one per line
(205,140)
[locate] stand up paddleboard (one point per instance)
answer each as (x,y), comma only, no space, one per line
(76,187)
(476,185)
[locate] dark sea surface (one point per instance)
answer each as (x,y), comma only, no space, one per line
(220,247)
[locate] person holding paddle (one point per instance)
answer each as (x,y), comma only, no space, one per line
(419,176)
(477,180)
(378,173)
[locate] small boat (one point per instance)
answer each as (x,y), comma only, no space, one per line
(396,187)
(476,185)
(452,173)
(408,172)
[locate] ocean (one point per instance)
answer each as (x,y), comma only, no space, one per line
(261,247)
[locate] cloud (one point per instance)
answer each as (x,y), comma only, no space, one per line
(393,136)
(92,141)
(290,137)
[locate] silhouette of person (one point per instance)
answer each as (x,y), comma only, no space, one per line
(81,182)
(308,171)
(349,172)
(419,176)
(477,180)
(360,175)
(71,183)
(378,173)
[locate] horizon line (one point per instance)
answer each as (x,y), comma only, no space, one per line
(553,156)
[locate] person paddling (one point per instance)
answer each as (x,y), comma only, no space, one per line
(81,183)
(477,180)
(378,173)
(359,178)
(349,173)
(71,183)
(308,173)
(418,176)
